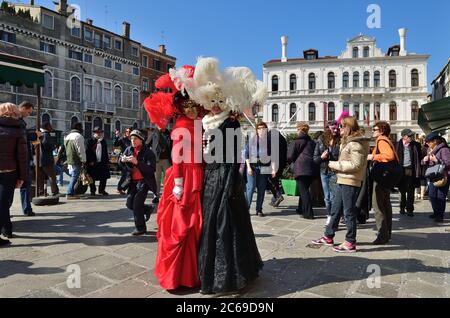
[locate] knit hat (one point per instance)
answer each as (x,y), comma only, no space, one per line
(138,134)
(432,136)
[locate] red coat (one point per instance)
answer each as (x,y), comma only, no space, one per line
(180,222)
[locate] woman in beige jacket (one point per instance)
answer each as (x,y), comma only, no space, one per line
(351,170)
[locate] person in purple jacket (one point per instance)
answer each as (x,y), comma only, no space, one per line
(439,153)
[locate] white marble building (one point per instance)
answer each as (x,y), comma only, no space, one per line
(363,80)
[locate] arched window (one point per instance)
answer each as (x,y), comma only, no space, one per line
(312,81)
(118,126)
(293,82)
(366,79)
(74,120)
(367,112)
(356,79)
(118,96)
(377,111)
(312,112)
(376,79)
(75,89)
(275,83)
(331,111)
(346,107)
(293,112)
(415,78)
(275,113)
(48,84)
(366,51)
(331,80)
(135,101)
(414,110)
(98,92)
(356,110)
(355,52)
(45,119)
(393,111)
(392,79)
(345,80)
(98,122)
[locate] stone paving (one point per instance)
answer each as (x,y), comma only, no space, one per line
(95,235)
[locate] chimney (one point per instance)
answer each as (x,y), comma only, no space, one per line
(284,43)
(61,7)
(126,30)
(162,49)
(402,33)
(90,21)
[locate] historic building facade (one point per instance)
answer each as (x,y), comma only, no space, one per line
(363,80)
(92,75)
(441,84)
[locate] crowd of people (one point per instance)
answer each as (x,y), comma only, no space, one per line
(205,235)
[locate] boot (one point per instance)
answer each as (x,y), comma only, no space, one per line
(383,235)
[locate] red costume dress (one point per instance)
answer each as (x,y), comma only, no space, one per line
(180,222)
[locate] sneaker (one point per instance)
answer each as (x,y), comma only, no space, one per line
(345,247)
(323,241)
(278,202)
(4,242)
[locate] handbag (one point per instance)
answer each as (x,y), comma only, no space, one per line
(437,175)
(387,174)
(83,182)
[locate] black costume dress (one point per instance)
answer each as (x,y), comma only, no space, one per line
(228,256)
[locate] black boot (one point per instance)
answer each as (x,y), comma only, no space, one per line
(4,242)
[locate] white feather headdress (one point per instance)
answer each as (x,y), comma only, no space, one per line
(235,89)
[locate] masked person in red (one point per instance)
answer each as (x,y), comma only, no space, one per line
(180,209)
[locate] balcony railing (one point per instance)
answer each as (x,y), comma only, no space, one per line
(99,107)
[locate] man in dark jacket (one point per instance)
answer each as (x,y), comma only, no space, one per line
(274,183)
(140,164)
(97,160)
(301,153)
(161,144)
(123,143)
(47,162)
(26,109)
(409,153)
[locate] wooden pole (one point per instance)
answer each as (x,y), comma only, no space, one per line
(38,146)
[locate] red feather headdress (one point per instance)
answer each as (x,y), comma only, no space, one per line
(159,105)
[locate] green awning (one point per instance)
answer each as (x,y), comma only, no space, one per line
(20,71)
(435,116)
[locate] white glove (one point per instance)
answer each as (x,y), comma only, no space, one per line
(178,190)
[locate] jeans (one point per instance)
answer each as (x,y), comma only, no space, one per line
(25,191)
(60,174)
(137,194)
(345,197)
(329,183)
(7,187)
(257,181)
(381,201)
(305,202)
(438,198)
(75,173)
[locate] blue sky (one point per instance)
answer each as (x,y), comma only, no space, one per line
(247,32)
